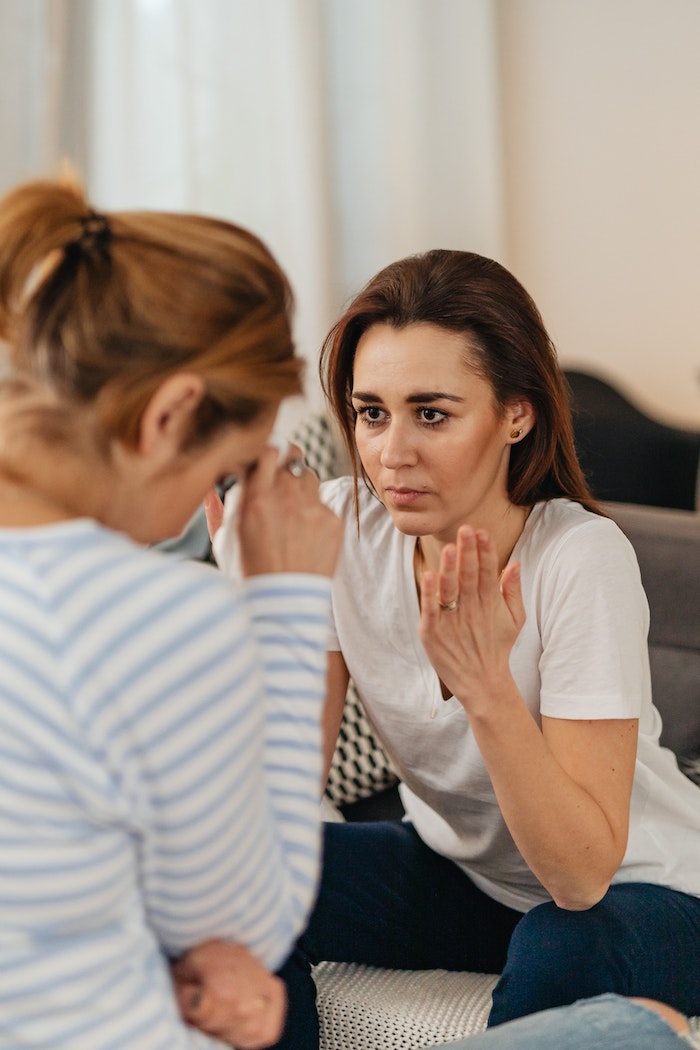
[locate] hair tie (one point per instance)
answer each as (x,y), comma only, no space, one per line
(95,233)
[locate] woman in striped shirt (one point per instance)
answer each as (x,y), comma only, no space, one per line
(160,769)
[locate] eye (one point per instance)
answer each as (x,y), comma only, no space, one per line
(432,416)
(371,415)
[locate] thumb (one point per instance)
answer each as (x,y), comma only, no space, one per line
(189,1000)
(214,511)
(512,593)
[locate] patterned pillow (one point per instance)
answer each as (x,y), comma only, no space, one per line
(360,766)
(322,450)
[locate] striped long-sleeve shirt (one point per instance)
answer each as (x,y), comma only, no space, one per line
(159,779)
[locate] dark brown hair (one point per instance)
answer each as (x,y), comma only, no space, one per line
(464,292)
(99,309)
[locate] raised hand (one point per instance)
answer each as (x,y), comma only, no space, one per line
(281,524)
(470,617)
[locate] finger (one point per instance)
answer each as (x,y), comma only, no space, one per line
(258,483)
(265,1027)
(488,562)
(448,584)
(284,473)
(511,590)
(262,475)
(185,970)
(310,481)
(188,995)
(295,463)
(467,561)
(214,512)
(292,452)
(429,604)
(257,1023)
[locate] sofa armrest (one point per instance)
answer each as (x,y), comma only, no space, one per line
(667,544)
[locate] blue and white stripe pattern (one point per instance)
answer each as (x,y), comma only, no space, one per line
(159,779)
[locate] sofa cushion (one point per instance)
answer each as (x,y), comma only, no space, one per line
(667,544)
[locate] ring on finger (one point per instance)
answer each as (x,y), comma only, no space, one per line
(448,606)
(296,466)
(261,1002)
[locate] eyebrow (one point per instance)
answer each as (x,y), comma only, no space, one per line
(412,399)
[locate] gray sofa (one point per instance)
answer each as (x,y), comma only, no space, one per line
(667,543)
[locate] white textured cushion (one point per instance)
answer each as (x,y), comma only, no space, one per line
(365,1008)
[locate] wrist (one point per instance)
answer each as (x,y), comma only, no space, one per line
(492,700)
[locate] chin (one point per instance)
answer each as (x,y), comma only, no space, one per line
(409,524)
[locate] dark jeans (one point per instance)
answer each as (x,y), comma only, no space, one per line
(386,899)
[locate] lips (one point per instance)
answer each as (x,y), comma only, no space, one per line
(402,497)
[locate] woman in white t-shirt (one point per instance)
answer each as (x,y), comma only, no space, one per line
(495,625)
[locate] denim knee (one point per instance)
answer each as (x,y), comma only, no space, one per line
(557,956)
(639,940)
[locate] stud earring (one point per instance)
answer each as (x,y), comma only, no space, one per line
(515,434)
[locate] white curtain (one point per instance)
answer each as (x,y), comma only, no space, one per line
(217,106)
(346,134)
(415,140)
(30,45)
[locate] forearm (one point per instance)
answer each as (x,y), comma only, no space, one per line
(564,790)
(228,770)
(560,828)
(291,630)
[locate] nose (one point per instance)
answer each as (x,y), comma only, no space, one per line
(398,447)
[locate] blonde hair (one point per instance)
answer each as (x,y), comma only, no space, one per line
(99,309)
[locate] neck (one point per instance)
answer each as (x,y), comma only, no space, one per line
(505,536)
(21,506)
(44,453)
(58,484)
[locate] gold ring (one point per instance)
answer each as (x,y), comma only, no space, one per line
(261,1002)
(296,466)
(449,605)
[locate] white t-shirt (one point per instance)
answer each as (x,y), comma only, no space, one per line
(581,654)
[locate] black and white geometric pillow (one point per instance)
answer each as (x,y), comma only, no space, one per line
(360,766)
(321,450)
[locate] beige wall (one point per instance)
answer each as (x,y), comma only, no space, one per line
(601,110)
